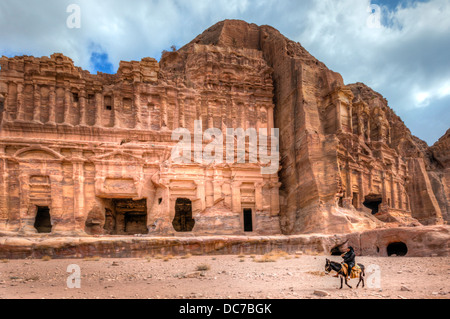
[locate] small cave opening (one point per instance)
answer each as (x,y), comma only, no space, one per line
(42,222)
(373,202)
(397,248)
(336,251)
(183,221)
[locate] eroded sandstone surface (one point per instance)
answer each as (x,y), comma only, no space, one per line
(90,154)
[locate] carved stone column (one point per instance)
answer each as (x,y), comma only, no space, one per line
(350,118)
(275,198)
(210,115)
(181,119)
(164,118)
(338,116)
(236,197)
(37,103)
(83,108)
(57,207)
(4,182)
(259,196)
(52,105)
(78,192)
(67,104)
(24,199)
(201,193)
(20,106)
(137,108)
(116,106)
(270,120)
(98,109)
(393,198)
(209,190)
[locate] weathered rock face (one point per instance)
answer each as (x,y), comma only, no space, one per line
(84,152)
(348,162)
(439,173)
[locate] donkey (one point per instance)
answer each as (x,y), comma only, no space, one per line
(331,265)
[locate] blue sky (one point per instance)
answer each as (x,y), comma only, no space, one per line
(404,57)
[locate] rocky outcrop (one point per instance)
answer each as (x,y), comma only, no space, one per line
(408,241)
(348,162)
(439,173)
(345,155)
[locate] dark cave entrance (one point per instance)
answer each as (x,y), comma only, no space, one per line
(183,221)
(398,249)
(126,217)
(336,251)
(373,203)
(248,220)
(42,222)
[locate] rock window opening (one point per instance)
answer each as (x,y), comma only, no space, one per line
(108,102)
(355,200)
(341,201)
(159,201)
(183,221)
(398,249)
(248,220)
(42,221)
(373,203)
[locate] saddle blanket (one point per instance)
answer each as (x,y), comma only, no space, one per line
(356,270)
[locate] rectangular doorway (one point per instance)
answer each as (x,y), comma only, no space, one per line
(248,220)
(130,216)
(42,222)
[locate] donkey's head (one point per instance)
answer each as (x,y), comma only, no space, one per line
(328,268)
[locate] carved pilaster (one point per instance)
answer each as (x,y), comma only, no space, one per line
(20,106)
(98,108)
(137,108)
(236,197)
(82,108)
(164,118)
(52,105)
(37,103)
(201,193)
(275,198)
(78,189)
(259,196)
(67,104)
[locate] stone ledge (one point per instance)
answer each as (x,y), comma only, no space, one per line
(421,242)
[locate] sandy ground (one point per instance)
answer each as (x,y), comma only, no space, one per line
(233,277)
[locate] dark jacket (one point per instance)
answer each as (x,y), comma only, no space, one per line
(349,257)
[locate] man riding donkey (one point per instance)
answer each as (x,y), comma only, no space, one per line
(349,260)
(345,270)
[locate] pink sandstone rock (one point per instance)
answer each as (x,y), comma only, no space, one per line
(90,154)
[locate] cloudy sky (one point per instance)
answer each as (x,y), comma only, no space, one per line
(400,48)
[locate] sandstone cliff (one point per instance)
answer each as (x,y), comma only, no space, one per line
(94,149)
(348,162)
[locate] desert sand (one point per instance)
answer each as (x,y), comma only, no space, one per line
(221,277)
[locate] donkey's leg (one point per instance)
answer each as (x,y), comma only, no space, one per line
(347,283)
(341,282)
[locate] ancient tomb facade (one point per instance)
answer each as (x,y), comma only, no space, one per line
(83,153)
